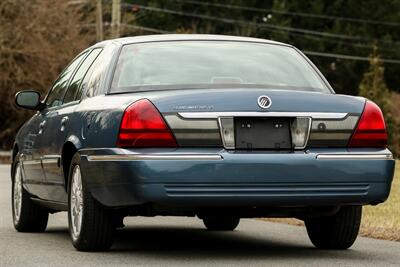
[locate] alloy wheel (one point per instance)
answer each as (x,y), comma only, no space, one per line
(76,202)
(17,193)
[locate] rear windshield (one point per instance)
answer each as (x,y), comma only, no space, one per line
(213,64)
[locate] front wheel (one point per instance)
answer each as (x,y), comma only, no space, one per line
(90,225)
(338,231)
(217,223)
(27,216)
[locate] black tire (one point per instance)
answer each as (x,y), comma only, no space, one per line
(338,231)
(215,223)
(97,227)
(32,218)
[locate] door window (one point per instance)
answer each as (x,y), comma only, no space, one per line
(60,86)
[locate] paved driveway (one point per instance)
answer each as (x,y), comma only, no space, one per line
(181,241)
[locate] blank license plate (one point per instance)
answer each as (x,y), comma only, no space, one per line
(262,133)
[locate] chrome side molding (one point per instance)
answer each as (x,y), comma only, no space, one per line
(155,156)
(351,156)
(51,159)
(32,162)
(215,115)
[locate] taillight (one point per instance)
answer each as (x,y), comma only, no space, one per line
(371,129)
(143,126)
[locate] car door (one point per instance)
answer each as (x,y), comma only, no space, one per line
(48,145)
(30,157)
(60,122)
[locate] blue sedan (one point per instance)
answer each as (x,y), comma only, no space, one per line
(217,127)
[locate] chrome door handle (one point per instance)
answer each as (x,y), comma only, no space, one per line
(64,121)
(41,127)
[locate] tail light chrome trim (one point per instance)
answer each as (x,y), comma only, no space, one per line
(354,156)
(194,132)
(216,115)
(332,133)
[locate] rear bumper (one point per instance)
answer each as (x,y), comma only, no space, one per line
(213,177)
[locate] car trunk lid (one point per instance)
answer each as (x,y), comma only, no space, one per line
(236,119)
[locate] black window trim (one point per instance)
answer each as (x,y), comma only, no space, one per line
(76,101)
(109,73)
(52,86)
(87,51)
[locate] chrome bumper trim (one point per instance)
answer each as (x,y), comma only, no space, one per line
(134,157)
(215,115)
(351,156)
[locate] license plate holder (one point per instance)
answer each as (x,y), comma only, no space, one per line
(262,133)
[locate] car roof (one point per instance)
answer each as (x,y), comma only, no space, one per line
(186,37)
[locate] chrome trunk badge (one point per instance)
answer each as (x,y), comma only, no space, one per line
(264,101)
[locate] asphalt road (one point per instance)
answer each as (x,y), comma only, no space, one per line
(181,241)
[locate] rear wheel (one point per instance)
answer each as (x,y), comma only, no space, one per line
(338,231)
(27,216)
(90,225)
(216,223)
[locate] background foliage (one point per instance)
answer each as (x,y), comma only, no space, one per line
(39,37)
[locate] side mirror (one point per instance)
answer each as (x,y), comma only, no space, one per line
(28,100)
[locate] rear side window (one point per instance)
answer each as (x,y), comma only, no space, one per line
(97,73)
(60,86)
(80,74)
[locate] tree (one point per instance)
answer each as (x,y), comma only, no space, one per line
(373,85)
(37,39)
(350,28)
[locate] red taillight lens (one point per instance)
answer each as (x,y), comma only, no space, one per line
(143,126)
(371,129)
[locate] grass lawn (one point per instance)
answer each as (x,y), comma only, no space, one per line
(381,221)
